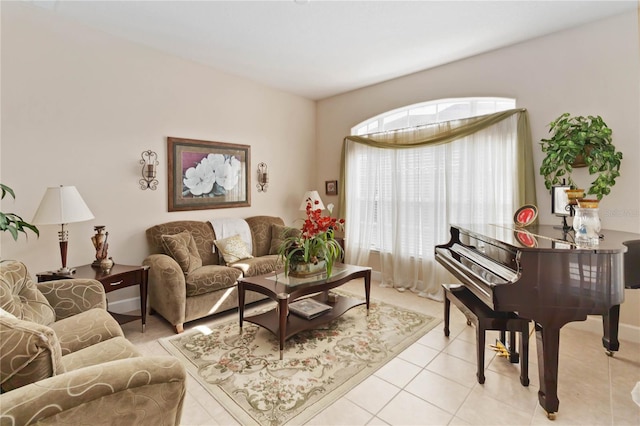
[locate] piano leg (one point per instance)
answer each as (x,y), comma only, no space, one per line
(480,353)
(524,354)
(447,311)
(548,344)
(610,330)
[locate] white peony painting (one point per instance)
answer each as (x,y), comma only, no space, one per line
(207,175)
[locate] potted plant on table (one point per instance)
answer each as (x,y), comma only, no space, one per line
(11,222)
(315,248)
(580,142)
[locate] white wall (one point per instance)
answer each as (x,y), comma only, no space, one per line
(589,70)
(78,108)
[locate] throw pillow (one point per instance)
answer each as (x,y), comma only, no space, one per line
(233,249)
(279,233)
(182,247)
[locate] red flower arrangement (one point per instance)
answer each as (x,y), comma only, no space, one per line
(316,243)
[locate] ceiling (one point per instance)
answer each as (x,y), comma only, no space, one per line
(317,49)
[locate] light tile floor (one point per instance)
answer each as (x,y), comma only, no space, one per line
(433,382)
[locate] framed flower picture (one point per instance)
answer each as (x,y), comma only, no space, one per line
(207,175)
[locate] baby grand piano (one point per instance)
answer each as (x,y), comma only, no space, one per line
(538,273)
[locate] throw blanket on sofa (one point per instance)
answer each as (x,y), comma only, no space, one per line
(228,227)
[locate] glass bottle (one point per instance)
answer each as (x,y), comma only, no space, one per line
(586,225)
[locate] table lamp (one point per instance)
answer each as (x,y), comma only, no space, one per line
(312,196)
(59,206)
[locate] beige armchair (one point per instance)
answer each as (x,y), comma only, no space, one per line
(65,360)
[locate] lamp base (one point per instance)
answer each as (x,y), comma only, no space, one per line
(66,271)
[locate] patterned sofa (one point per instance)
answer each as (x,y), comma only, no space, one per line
(189,279)
(64,359)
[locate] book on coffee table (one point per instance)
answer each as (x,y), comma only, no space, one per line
(309,308)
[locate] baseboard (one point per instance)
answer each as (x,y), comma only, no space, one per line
(593,324)
(125,306)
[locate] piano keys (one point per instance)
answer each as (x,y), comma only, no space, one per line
(540,274)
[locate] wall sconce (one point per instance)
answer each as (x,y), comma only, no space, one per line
(149,165)
(263,178)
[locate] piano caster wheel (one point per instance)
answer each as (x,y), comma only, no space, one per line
(610,353)
(551,416)
(468,322)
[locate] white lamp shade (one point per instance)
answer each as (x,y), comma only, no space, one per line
(312,196)
(60,205)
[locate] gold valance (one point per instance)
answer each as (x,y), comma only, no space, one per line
(449,131)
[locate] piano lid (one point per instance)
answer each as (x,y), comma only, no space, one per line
(545,237)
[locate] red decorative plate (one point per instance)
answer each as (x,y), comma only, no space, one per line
(525,215)
(525,238)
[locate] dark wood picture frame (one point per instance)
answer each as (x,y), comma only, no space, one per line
(331,187)
(192,168)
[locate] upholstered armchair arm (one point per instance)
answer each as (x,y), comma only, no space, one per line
(72,296)
(140,391)
(167,288)
(28,352)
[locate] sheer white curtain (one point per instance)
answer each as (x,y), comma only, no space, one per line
(401,201)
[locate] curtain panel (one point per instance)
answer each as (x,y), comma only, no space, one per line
(475,169)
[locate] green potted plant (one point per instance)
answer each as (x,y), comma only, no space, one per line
(314,249)
(11,222)
(580,142)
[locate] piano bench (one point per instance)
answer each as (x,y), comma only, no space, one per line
(484,318)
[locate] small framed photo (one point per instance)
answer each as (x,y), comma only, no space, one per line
(560,200)
(207,175)
(331,187)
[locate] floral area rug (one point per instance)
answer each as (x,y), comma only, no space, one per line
(244,372)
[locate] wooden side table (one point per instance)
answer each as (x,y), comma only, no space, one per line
(119,276)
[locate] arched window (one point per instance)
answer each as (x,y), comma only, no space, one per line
(400,200)
(432,112)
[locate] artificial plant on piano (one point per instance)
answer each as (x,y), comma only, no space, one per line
(580,142)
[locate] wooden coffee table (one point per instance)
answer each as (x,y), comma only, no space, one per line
(284,290)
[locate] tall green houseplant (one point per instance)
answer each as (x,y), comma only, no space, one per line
(576,142)
(11,222)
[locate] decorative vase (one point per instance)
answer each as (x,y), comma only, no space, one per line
(106,264)
(100,244)
(586,225)
(302,269)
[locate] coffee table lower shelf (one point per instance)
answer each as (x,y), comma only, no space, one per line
(282,292)
(295,324)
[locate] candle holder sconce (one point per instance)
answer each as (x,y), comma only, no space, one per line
(149,163)
(263,178)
